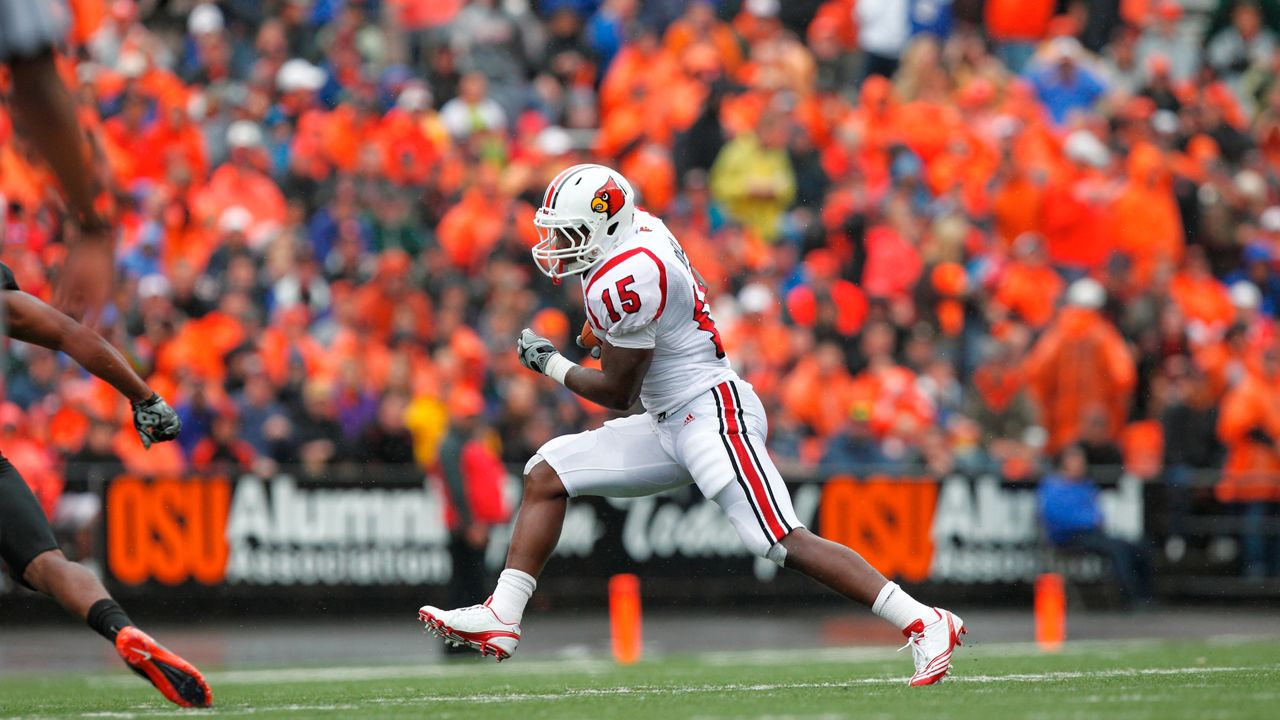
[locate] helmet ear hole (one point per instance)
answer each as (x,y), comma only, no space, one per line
(613,228)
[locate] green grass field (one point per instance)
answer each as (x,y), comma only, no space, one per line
(1202,680)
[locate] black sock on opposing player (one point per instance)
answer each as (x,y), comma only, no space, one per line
(107,618)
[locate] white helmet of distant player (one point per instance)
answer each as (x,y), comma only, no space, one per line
(585,211)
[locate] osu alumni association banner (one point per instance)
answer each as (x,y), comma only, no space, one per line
(250,534)
(273,532)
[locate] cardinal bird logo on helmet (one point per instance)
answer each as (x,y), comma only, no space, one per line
(608,199)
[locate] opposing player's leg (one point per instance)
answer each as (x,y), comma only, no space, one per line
(46,114)
(77,590)
(32,555)
(725,451)
(624,458)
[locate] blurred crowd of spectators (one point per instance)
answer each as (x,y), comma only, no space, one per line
(957,234)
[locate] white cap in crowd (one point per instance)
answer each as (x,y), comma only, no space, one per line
(554,140)
(234,219)
(1245,295)
(298,74)
(1270,219)
(1086,293)
(1085,148)
(414,96)
(244,133)
(205,19)
(755,298)
(153,286)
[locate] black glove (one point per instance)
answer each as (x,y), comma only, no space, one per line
(595,349)
(155,421)
(534,350)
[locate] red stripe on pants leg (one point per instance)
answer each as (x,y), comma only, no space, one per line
(754,478)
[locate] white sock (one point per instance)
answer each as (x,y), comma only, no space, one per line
(900,609)
(515,587)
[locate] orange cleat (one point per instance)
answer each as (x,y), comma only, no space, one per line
(175,678)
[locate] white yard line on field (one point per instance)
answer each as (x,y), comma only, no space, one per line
(244,710)
(282,676)
(880,653)
(663,690)
(773,687)
(751,658)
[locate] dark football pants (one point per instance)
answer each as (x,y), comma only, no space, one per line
(24,530)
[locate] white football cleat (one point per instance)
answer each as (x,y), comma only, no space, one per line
(932,644)
(478,627)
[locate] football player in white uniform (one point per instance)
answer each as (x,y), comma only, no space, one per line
(702,424)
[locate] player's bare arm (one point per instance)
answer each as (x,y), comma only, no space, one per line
(616,385)
(48,119)
(31,320)
(47,116)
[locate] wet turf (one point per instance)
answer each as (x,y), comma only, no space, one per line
(1202,680)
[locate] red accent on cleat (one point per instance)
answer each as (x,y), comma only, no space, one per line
(178,680)
(475,641)
(938,667)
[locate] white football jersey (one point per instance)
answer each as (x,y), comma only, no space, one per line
(644,294)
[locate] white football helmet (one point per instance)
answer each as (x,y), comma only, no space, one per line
(584,212)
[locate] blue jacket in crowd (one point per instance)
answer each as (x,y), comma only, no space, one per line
(1068,506)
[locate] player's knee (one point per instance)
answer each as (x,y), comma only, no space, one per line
(778,554)
(40,572)
(759,540)
(760,544)
(540,481)
(798,545)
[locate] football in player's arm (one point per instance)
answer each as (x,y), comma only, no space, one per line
(616,385)
(624,299)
